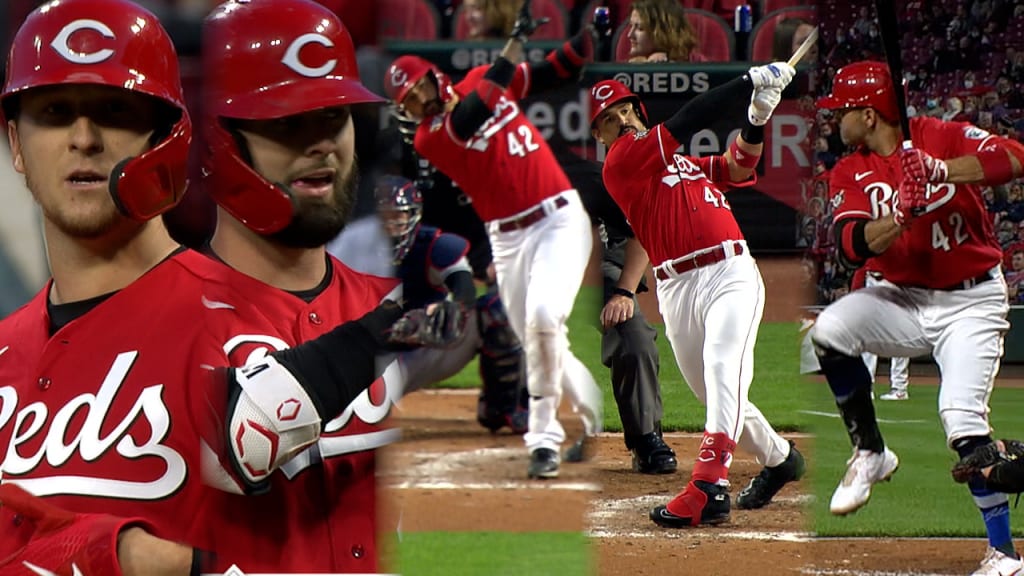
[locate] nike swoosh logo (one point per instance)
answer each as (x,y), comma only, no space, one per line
(861,175)
(76,571)
(215,305)
(4,349)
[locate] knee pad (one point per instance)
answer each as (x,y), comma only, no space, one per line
(845,374)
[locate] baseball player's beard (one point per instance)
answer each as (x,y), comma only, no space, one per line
(88,220)
(433,107)
(317,221)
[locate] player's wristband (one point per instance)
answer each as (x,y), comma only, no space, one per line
(995,165)
(622,292)
(744,159)
(753,134)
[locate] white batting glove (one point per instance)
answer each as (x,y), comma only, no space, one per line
(762,103)
(775,75)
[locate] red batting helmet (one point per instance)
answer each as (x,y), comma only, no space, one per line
(864,84)
(406,71)
(609,92)
(266,59)
(110,43)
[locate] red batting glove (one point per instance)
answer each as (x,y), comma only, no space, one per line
(919,165)
(911,201)
(41,539)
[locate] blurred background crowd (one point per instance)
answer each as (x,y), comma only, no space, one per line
(964,61)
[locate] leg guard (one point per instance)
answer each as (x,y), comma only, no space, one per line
(503,400)
(850,381)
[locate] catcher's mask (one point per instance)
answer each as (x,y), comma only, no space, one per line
(400,208)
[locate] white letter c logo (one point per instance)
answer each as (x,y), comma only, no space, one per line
(60,43)
(291,56)
(602,93)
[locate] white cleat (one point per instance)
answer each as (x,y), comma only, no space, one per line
(995,563)
(895,395)
(864,469)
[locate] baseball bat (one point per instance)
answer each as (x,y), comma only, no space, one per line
(889,30)
(804,47)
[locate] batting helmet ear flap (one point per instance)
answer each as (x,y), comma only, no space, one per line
(145,186)
(232,182)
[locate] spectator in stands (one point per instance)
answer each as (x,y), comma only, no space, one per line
(1015,277)
(1007,233)
(660,32)
(790,33)
(954,107)
(490,19)
(1015,203)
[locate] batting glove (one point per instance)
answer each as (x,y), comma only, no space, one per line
(525,24)
(920,165)
(774,75)
(439,325)
(762,103)
(911,201)
(40,538)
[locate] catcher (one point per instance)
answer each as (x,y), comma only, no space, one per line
(999,463)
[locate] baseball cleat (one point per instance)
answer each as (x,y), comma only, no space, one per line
(652,455)
(766,485)
(581,450)
(699,503)
(543,464)
(995,563)
(895,395)
(864,469)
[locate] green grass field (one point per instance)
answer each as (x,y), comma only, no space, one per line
(921,499)
(495,554)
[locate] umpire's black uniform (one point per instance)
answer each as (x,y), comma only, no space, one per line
(628,348)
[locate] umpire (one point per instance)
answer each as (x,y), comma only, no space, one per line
(628,341)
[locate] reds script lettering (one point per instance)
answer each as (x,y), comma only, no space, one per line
(883,198)
(88,441)
(684,169)
(504,112)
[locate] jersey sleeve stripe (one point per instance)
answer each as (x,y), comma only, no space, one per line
(853,213)
(526,79)
(661,147)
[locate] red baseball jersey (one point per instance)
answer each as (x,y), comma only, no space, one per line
(98,417)
(320,513)
(673,202)
(507,166)
(953,240)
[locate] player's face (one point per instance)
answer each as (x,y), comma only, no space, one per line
(396,222)
(313,156)
(617,120)
(641,43)
(853,125)
(67,139)
(423,100)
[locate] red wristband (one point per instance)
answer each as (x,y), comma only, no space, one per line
(996,165)
(744,159)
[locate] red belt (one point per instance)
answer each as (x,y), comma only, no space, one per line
(531,217)
(716,254)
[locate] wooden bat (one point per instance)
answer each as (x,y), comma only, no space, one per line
(888,28)
(807,43)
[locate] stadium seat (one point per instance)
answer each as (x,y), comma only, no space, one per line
(769,6)
(763,34)
(408,20)
(715,40)
(553,30)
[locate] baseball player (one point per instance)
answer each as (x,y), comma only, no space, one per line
(918,215)
(628,342)
(709,289)
(279,161)
(540,237)
(432,266)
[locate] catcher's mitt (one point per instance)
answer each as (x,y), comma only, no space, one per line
(1006,462)
(439,325)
